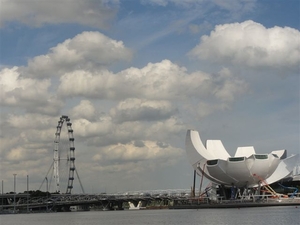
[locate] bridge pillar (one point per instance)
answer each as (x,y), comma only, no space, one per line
(119,206)
(143,203)
(63,208)
(134,203)
(106,206)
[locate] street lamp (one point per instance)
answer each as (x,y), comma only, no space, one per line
(27,193)
(2,195)
(15,192)
(46,184)
(47,194)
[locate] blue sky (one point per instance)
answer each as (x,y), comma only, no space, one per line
(134,75)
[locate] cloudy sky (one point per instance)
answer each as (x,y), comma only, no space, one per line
(134,75)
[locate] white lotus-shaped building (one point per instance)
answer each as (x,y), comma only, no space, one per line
(244,169)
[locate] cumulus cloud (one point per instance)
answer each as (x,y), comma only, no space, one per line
(30,121)
(87,129)
(104,131)
(101,84)
(231,86)
(16,154)
(162,130)
(130,162)
(156,81)
(128,153)
(27,140)
(29,130)
(31,94)
(139,109)
(15,89)
(88,50)
(251,44)
(85,110)
(116,126)
(37,13)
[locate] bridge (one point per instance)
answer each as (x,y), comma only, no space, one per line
(103,201)
(172,200)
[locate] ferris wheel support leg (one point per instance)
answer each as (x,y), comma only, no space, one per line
(79,181)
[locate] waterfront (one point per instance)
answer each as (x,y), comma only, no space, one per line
(289,215)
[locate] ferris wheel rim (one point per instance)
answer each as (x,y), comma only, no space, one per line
(71,168)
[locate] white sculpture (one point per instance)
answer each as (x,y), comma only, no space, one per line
(245,169)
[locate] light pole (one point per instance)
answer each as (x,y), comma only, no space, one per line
(15,192)
(47,194)
(46,184)
(27,194)
(2,195)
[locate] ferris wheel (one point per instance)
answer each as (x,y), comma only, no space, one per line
(69,156)
(63,165)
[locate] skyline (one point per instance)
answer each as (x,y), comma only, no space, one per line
(134,76)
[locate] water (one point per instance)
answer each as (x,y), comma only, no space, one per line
(242,216)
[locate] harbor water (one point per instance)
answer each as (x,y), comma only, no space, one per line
(289,215)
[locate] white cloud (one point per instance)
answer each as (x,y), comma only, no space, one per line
(26,142)
(85,109)
(231,86)
(13,86)
(16,155)
(28,93)
(30,121)
(88,50)
(162,130)
(87,129)
(251,44)
(156,81)
(126,154)
(126,122)
(101,84)
(8,143)
(139,110)
(204,109)
(37,13)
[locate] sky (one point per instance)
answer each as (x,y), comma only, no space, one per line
(133,76)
